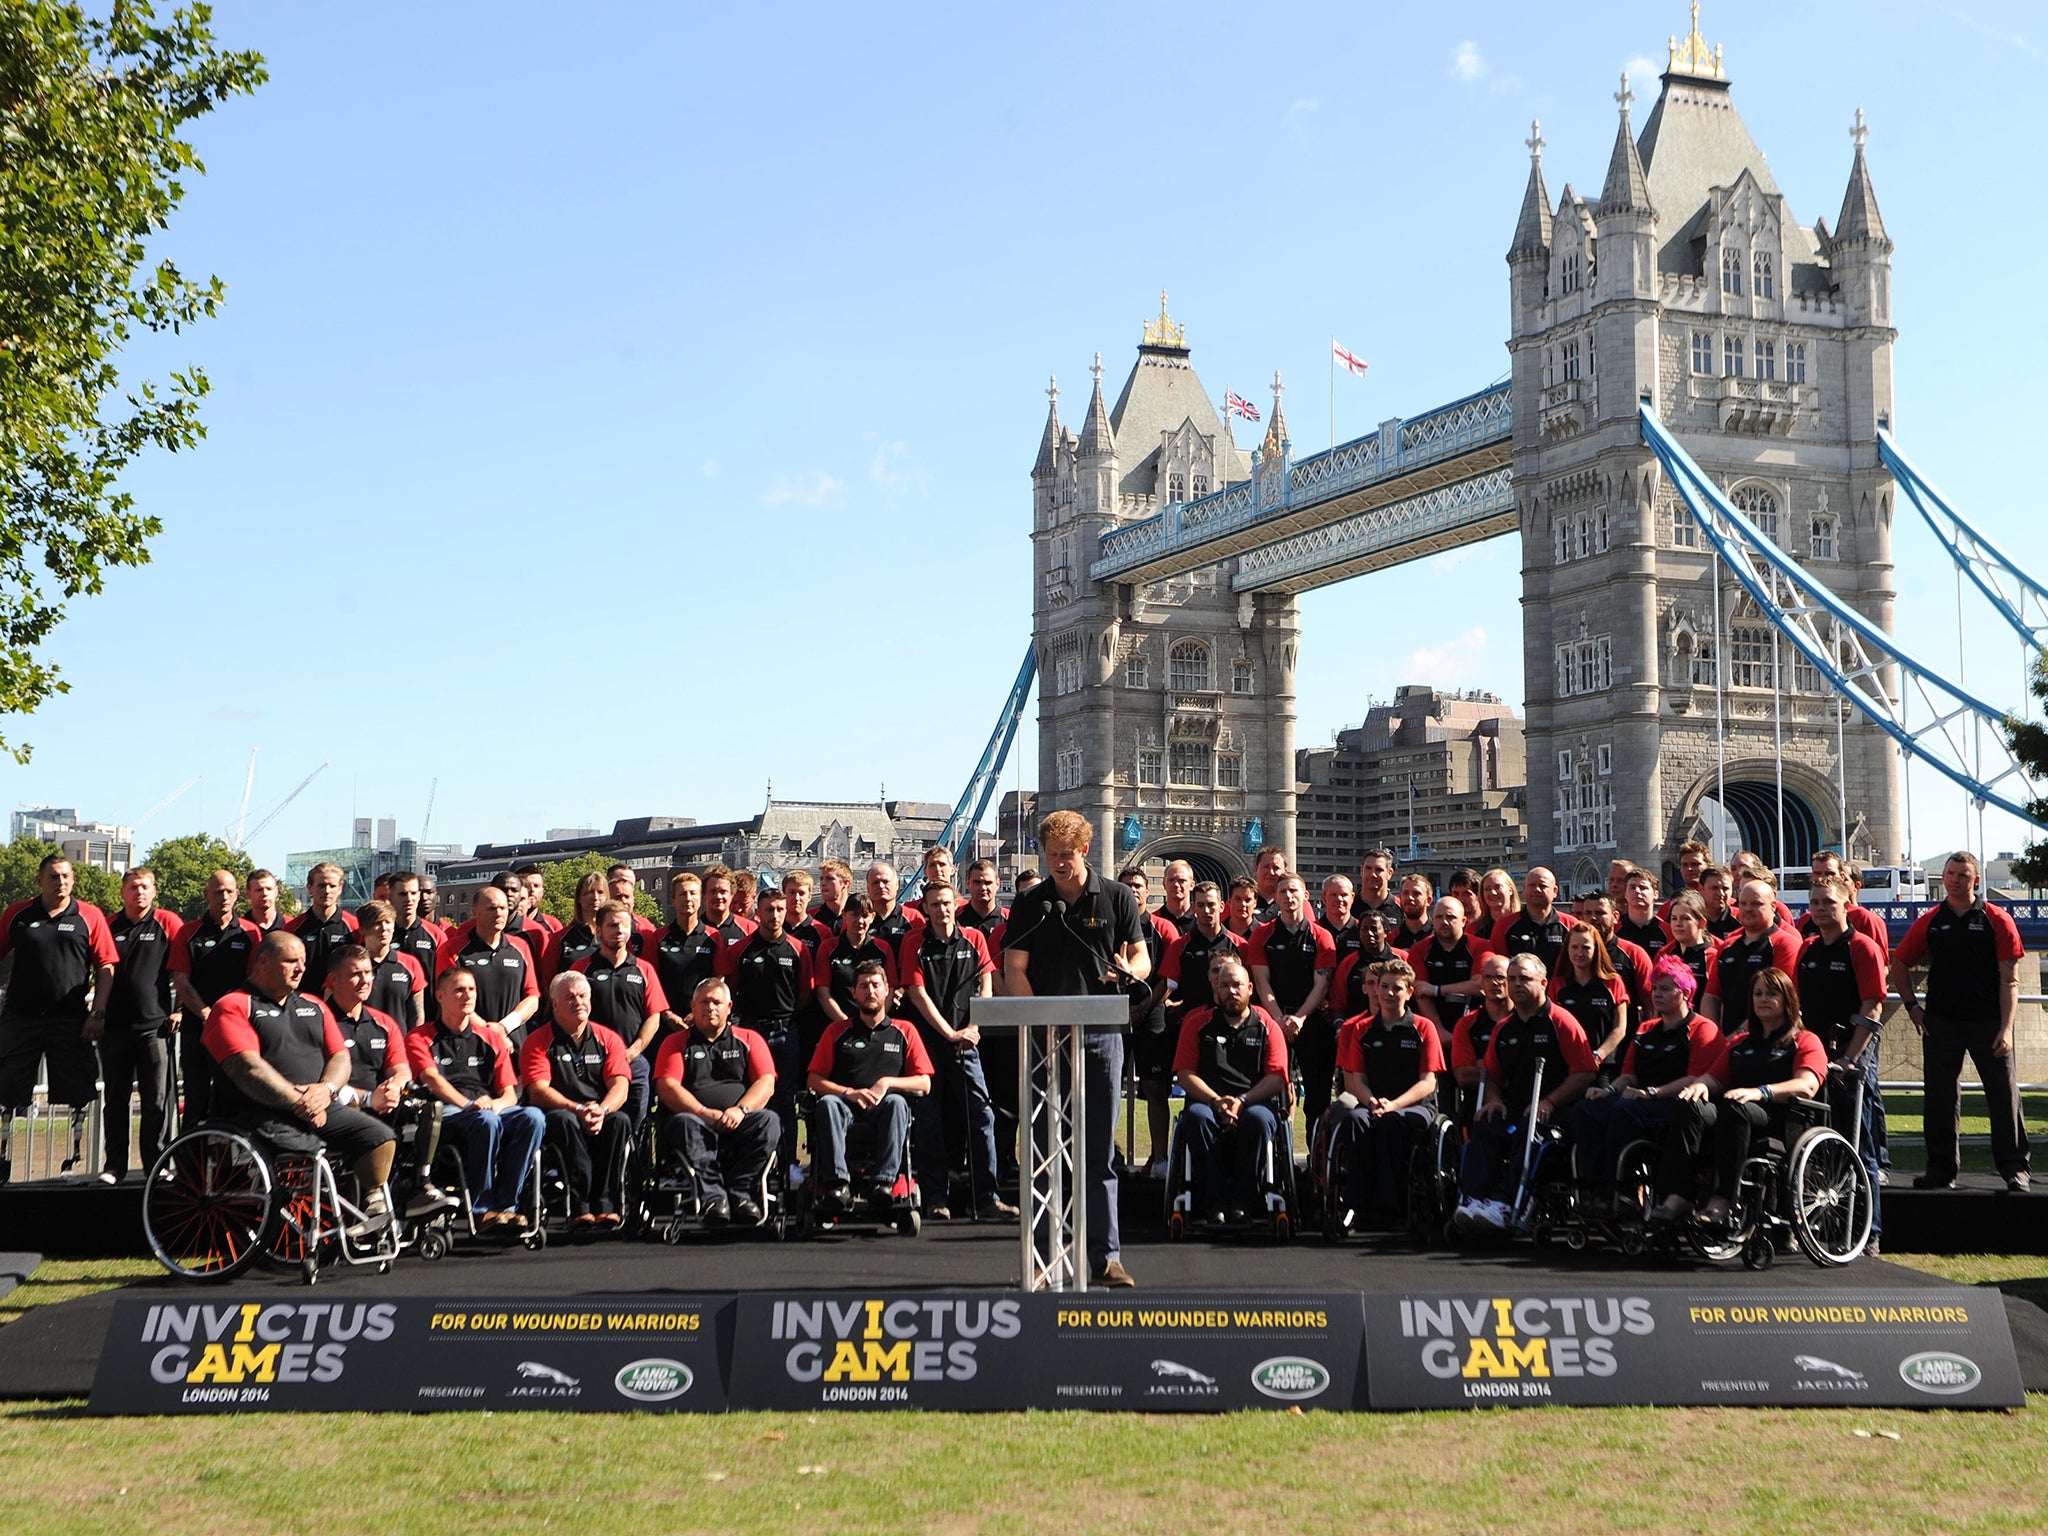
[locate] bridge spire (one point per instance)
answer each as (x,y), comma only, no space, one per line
(1097,440)
(1532,229)
(1049,445)
(1860,219)
(1276,430)
(1627,189)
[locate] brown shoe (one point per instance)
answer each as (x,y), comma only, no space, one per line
(1114,1275)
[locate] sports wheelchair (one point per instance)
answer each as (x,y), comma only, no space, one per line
(1279,1208)
(1429,1184)
(220,1199)
(808,1209)
(663,1198)
(1807,1187)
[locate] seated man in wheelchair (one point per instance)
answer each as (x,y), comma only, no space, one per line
(715,1081)
(1747,1091)
(1842,987)
(576,1074)
(1391,1061)
(380,1078)
(467,1065)
(1231,1062)
(1538,1061)
(283,1063)
(1672,1048)
(862,1070)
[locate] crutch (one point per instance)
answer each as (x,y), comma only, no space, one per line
(1522,1196)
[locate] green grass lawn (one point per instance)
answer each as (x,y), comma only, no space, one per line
(1489,1470)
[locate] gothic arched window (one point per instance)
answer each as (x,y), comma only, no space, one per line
(1760,507)
(1187,667)
(1731,271)
(1762,280)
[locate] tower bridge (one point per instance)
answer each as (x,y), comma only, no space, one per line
(1693,447)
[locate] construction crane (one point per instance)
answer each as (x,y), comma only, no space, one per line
(427,820)
(237,833)
(165,803)
(278,809)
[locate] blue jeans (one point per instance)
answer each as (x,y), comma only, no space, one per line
(958,1086)
(891,1122)
(497,1148)
(1210,1146)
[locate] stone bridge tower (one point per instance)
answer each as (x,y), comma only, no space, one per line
(1166,709)
(1766,346)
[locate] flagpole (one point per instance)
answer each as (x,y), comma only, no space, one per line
(1333,392)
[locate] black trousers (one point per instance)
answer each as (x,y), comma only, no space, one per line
(1947,1042)
(132,1059)
(195,1072)
(1370,1154)
(1732,1126)
(1315,1059)
(725,1160)
(593,1165)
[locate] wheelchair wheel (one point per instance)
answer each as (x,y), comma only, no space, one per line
(295,1215)
(1758,1251)
(1828,1190)
(909,1221)
(206,1205)
(434,1244)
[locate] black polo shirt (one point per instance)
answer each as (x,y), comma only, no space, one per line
(1068,952)
(1290,958)
(1231,1058)
(1662,1053)
(56,956)
(374,1043)
(322,937)
(1392,1057)
(840,962)
(949,969)
(769,981)
(1544,940)
(681,961)
(216,958)
(504,975)
(1196,950)
(140,997)
(1651,935)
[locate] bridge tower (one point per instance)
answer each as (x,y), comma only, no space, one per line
(1766,346)
(1166,708)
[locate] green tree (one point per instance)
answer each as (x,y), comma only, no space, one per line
(2029,743)
(91,114)
(20,860)
(562,877)
(183,865)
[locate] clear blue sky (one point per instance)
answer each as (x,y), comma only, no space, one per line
(617,407)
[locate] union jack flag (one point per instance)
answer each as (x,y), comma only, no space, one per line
(1348,360)
(1237,405)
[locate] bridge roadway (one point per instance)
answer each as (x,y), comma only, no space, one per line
(1411,488)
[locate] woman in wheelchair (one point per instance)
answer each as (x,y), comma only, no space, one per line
(1391,1061)
(1747,1090)
(1674,1048)
(1231,1062)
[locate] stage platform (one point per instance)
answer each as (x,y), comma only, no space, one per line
(53,1351)
(69,1219)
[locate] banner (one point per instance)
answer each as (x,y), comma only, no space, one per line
(1003,1350)
(414,1354)
(979,1350)
(1946,1347)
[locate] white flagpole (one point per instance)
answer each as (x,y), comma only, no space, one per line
(1333,392)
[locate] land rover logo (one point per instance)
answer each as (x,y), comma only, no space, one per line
(1938,1371)
(653,1381)
(1290,1377)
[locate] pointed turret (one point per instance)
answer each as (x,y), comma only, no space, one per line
(1627,189)
(1860,219)
(1532,229)
(1276,430)
(1049,445)
(1097,441)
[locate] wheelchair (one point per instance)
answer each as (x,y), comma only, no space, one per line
(551,1193)
(1279,1212)
(434,1235)
(903,1209)
(1807,1189)
(1429,1185)
(663,1198)
(220,1199)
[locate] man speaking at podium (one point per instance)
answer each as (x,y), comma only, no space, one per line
(1077,934)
